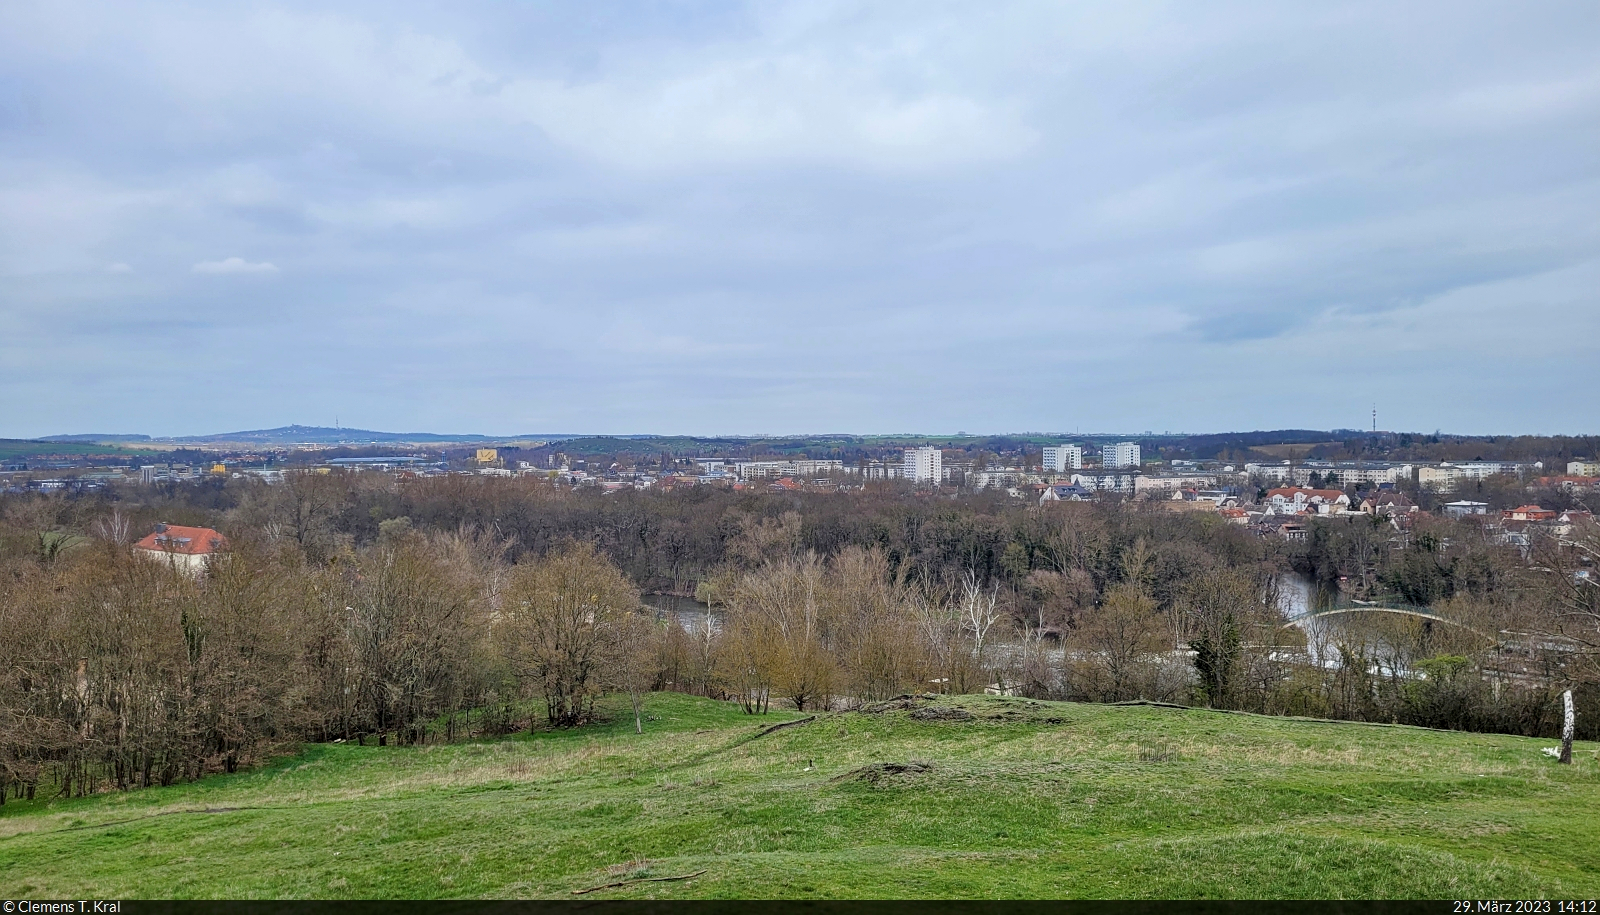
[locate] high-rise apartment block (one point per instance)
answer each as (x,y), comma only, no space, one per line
(1062,458)
(1122,454)
(924,465)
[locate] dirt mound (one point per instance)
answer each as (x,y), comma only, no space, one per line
(898,704)
(936,713)
(880,773)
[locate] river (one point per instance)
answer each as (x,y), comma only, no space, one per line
(687,612)
(1299,598)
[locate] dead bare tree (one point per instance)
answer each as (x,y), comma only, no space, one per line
(979,612)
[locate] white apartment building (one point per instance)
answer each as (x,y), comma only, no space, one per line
(1477,470)
(924,465)
(753,469)
(1105,482)
(1445,477)
(998,479)
(1582,468)
(1172,483)
(884,470)
(1122,454)
(1277,473)
(1344,473)
(1062,458)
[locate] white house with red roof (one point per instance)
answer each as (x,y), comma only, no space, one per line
(187,548)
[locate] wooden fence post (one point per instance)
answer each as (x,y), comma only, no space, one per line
(1566,728)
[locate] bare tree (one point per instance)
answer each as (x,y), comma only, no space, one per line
(1121,641)
(979,613)
(562,619)
(633,661)
(114,527)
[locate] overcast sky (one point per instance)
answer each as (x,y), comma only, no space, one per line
(724,218)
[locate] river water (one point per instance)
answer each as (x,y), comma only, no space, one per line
(687,612)
(1299,598)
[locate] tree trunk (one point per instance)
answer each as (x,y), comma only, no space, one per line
(1566,728)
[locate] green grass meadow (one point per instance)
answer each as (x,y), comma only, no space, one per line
(1021,799)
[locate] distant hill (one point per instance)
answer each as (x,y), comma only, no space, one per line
(325,435)
(95,438)
(12,449)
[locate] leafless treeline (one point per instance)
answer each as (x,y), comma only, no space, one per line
(117,671)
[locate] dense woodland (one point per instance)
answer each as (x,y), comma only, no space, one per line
(355,607)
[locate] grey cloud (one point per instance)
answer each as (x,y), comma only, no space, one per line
(798,216)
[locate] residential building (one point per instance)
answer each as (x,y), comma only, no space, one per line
(1573,483)
(1062,458)
(1446,476)
(884,470)
(1276,473)
(1572,520)
(748,470)
(1442,479)
(924,465)
(955,472)
(1477,470)
(1105,482)
(1170,483)
(1122,454)
(1002,478)
(1294,501)
(1347,473)
(187,548)
(1222,498)
(1464,508)
(1065,492)
(1583,468)
(1528,513)
(1388,505)
(1270,526)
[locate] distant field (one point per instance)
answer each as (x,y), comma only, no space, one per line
(1292,452)
(1021,799)
(12,449)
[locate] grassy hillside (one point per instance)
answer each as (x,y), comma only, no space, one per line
(12,449)
(969,796)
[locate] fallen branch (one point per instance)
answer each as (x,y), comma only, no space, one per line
(786,724)
(610,886)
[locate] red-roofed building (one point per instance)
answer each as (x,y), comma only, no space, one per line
(1574,483)
(1528,513)
(188,548)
